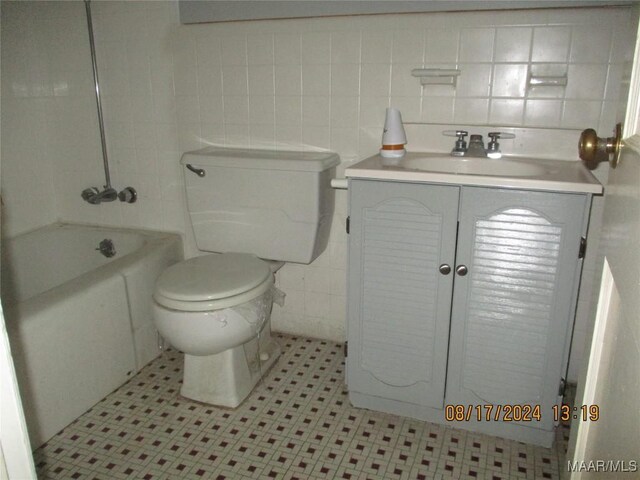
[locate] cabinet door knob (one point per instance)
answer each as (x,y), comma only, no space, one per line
(462,270)
(445,269)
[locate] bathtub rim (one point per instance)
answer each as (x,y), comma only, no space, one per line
(152,241)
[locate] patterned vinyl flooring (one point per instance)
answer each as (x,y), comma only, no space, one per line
(296,424)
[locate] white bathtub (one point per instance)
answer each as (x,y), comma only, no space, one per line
(80,324)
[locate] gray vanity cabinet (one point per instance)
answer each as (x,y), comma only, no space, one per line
(461,296)
(399,303)
(512,313)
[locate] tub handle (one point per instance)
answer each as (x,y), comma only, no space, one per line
(198,171)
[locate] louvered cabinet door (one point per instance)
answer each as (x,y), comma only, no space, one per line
(513,310)
(399,302)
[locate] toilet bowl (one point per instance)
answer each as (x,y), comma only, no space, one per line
(195,301)
(216,310)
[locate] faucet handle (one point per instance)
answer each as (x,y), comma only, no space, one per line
(455,133)
(461,134)
(493,147)
(494,136)
(461,145)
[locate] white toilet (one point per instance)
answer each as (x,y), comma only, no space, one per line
(252,205)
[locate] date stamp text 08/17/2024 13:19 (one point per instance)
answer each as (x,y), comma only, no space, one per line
(519,413)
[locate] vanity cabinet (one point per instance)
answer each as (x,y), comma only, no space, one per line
(462,295)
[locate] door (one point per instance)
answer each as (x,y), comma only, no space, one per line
(513,308)
(399,301)
(610,377)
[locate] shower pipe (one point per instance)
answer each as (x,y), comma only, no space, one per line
(92,194)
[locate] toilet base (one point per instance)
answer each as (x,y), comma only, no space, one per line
(227,378)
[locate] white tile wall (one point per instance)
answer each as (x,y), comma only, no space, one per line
(308,84)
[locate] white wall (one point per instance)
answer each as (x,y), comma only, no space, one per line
(310,83)
(27,98)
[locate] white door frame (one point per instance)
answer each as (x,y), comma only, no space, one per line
(609,300)
(16,459)
(608,303)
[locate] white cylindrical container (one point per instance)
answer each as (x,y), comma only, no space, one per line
(393,136)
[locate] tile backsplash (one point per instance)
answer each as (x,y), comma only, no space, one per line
(303,84)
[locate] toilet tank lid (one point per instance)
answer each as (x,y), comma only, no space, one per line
(262,159)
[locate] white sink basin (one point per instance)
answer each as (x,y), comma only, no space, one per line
(505,172)
(474,166)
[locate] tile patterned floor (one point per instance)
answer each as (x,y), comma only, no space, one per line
(297,424)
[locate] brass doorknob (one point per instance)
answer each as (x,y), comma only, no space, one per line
(593,149)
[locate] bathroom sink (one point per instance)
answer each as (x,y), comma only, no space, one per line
(475,166)
(506,172)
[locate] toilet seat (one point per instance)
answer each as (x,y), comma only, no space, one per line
(213,282)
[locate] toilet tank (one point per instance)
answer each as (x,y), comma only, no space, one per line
(277,205)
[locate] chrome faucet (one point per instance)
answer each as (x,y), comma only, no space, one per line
(493,147)
(95,196)
(460,147)
(476,146)
(109,194)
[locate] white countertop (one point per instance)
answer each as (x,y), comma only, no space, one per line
(507,172)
